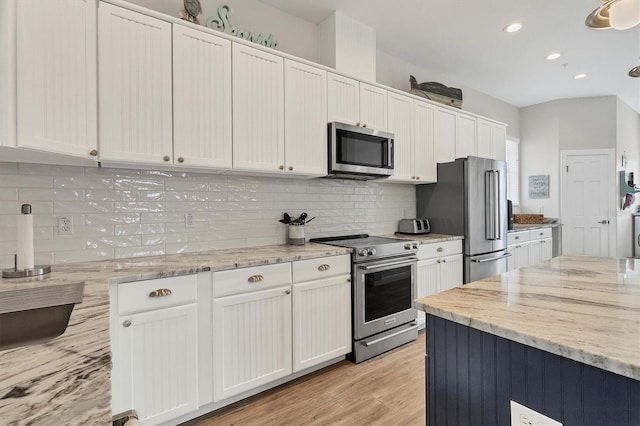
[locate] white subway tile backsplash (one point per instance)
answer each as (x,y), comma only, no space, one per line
(119,213)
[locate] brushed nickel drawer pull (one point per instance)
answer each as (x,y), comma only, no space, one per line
(440,249)
(255,278)
(126,323)
(324,267)
(161,292)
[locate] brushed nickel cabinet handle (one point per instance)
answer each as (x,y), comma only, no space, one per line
(281,167)
(364,125)
(180,159)
(255,278)
(440,250)
(417,177)
(438,261)
(324,267)
(166,158)
(161,292)
(348,280)
(93,153)
(444,260)
(127,323)
(287,292)
(290,168)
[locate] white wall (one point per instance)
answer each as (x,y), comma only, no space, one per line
(628,142)
(394,72)
(120,213)
(587,123)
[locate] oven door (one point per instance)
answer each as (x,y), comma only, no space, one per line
(383,295)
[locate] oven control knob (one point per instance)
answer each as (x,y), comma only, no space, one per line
(407,246)
(415,245)
(363,252)
(372,252)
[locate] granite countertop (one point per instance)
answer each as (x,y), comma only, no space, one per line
(426,238)
(527,226)
(67,380)
(583,308)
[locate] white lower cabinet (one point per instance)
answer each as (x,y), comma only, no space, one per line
(440,267)
(321,310)
(529,247)
(155,348)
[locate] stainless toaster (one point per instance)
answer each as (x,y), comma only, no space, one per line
(414,226)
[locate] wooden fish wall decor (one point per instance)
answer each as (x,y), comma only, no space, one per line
(437,92)
(222,21)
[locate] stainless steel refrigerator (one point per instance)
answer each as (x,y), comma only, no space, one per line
(470,199)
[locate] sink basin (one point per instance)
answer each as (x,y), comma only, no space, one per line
(36,314)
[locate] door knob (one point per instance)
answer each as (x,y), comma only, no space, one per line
(604,222)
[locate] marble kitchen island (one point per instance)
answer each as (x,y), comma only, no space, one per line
(561,337)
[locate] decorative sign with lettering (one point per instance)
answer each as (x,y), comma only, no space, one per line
(539,186)
(222,21)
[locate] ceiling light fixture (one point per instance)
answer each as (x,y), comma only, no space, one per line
(512,28)
(617,14)
(624,14)
(553,55)
(579,76)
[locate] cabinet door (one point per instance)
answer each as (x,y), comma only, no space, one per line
(305,119)
(201,99)
(465,136)
(512,260)
(423,142)
(157,363)
(445,135)
(535,255)
(134,87)
(546,249)
(343,97)
(485,140)
(401,125)
(524,255)
(426,282)
(373,107)
(450,270)
(258,110)
(57,76)
(499,138)
(321,321)
(251,340)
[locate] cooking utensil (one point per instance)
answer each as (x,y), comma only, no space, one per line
(287,218)
(310,219)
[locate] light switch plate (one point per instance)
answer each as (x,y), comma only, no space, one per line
(525,416)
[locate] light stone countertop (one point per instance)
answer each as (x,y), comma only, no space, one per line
(527,226)
(68,379)
(582,308)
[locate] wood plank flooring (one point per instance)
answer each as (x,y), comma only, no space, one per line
(386,390)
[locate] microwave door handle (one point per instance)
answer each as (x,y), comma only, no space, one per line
(390,152)
(489,205)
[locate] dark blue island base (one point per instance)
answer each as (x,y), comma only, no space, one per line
(472,376)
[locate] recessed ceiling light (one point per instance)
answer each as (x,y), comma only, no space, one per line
(579,76)
(512,28)
(553,55)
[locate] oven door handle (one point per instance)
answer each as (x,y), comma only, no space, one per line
(389,265)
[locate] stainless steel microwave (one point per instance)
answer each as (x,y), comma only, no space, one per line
(359,152)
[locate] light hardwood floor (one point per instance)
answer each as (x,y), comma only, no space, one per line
(386,390)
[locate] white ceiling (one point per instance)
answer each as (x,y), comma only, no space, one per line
(463,39)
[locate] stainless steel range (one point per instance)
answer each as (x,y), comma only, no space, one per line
(383,289)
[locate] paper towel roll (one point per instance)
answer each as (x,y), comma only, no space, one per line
(25,241)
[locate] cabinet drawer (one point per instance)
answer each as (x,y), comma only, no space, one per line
(251,279)
(539,234)
(446,248)
(322,267)
(152,294)
(517,237)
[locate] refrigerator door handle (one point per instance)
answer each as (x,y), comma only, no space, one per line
(490,204)
(497,197)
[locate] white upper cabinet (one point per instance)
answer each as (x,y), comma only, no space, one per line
(485,139)
(134,86)
(373,107)
(305,119)
(499,138)
(425,169)
(56,76)
(465,136)
(401,125)
(201,99)
(445,135)
(356,103)
(258,110)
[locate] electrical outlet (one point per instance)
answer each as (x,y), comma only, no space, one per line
(189,221)
(65,225)
(525,416)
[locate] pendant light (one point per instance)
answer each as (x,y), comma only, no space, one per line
(599,18)
(624,14)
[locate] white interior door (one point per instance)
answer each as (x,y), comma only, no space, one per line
(588,202)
